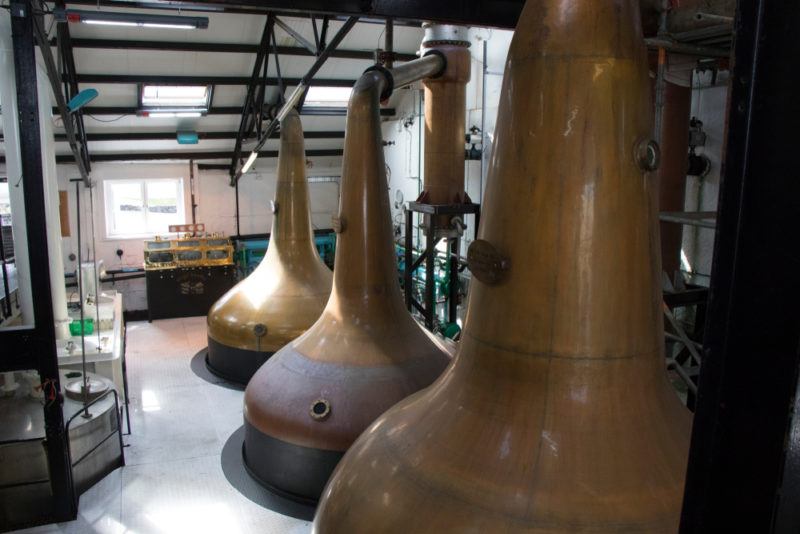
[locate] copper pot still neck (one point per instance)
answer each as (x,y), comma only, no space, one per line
(556,415)
(288,290)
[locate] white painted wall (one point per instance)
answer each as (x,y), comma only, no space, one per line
(216,208)
(709,104)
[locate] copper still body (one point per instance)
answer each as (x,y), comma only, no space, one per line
(287,292)
(556,414)
(311,400)
(445,125)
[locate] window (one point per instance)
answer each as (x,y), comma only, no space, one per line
(174,100)
(5,221)
(328,97)
(5,203)
(143,208)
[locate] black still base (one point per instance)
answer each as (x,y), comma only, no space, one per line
(237,475)
(295,472)
(232,364)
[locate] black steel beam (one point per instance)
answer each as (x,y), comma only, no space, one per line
(64,44)
(306,81)
(41,340)
(203,136)
(744,456)
(115,111)
(251,112)
(485,13)
(231,48)
(212,8)
(200,80)
(212,167)
(46,54)
(189,155)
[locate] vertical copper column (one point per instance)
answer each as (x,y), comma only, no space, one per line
(311,400)
(556,415)
(283,297)
(445,122)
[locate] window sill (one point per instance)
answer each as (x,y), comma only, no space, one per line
(142,237)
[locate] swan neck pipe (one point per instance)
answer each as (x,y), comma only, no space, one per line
(365,272)
(429,66)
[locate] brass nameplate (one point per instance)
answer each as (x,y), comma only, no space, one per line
(486,263)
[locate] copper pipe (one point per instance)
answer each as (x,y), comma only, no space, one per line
(286,294)
(556,414)
(424,67)
(445,129)
(311,400)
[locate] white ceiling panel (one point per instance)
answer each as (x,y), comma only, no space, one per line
(223,28)
(102,61)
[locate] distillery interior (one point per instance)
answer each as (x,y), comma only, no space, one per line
(399,266)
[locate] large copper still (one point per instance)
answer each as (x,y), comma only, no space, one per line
(556,414)
(287,292)
(311,400)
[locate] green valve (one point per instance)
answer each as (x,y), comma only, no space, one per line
(75,327)
(451,330)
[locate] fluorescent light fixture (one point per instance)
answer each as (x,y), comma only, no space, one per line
(249,162)
(163,113)
(328,97)
(172,114)
(109,23)
(169,26)
(142,20)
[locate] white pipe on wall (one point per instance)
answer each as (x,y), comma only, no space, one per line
(8,97)
(52,215)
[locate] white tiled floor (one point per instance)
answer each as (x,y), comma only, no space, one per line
(172,482)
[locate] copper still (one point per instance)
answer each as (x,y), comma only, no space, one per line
(556,414)
(287,292)
(311,400)
(445,125)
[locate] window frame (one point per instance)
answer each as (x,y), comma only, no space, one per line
(156,109)
(111,232)
(327,104)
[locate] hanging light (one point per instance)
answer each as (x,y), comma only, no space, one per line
(249,162)
(141,20)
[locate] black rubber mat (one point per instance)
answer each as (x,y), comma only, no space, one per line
(199,368)
(234,469)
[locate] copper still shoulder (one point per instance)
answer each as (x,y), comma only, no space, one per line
(556,414)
